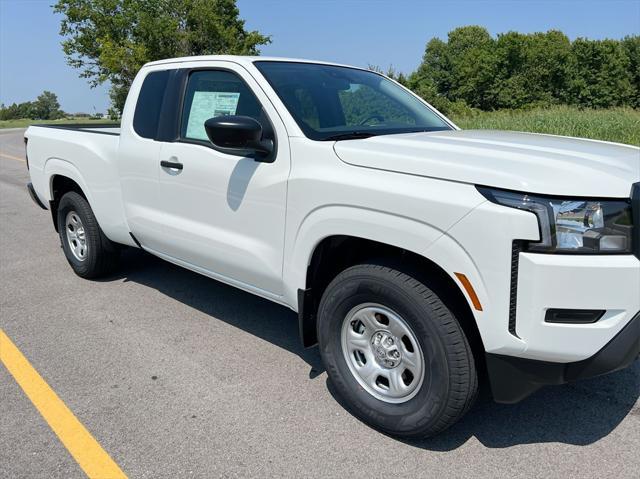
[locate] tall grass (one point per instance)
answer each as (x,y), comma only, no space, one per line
(621,125)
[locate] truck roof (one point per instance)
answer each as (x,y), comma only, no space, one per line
(242,59)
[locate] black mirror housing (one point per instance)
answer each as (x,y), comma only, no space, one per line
(238,135)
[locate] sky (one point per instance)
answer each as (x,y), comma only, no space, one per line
(357,32)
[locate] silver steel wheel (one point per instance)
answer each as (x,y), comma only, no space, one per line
(382,353)
(76,236)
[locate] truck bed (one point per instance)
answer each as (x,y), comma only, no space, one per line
(88,155)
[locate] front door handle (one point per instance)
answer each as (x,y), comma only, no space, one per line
(171,164)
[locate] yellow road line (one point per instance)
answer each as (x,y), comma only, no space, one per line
(11,157)
(93,460)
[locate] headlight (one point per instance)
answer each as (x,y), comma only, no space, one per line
(572,225)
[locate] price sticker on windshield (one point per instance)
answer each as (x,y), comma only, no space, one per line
(209,104)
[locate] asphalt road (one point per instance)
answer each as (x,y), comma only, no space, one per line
(177,375)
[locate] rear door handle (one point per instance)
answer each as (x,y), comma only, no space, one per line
(171,164)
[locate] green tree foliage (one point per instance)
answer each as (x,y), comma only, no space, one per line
(530,69)
(631,46)
(45,107)
(516,70)
(599,75)
(109,40)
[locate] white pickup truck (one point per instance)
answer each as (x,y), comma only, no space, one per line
(419,257)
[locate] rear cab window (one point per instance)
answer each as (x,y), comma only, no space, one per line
(147,114)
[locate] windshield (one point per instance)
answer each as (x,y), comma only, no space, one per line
(331,102)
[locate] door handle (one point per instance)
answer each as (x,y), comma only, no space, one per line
(171,164)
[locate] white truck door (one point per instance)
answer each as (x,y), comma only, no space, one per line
(138,156)
(224,214)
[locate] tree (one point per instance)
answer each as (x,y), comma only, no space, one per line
(109,40)
(631,46)
(531,69)
(471,56)
(432,79)
(46,107)
(599,74)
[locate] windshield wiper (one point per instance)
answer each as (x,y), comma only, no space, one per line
(352,135)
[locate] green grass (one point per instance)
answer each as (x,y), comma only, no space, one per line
(621,125)
(23,123)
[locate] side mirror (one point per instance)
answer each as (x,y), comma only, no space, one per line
(238,135)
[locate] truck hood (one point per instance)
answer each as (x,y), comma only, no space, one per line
(527,162)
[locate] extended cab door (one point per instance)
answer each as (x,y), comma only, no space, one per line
(138,155)
(222,214)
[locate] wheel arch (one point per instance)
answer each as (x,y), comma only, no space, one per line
(102,194)
(61,183)
(335,253)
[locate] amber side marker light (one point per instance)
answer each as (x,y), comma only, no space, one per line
(470,291)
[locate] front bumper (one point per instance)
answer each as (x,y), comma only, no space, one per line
(573,282)
(513,378)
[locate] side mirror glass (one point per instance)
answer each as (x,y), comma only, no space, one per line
(238,135)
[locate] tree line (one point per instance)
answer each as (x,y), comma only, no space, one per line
(45,107)
(472,69)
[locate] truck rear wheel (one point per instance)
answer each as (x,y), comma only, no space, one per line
(89,252)
(395,354)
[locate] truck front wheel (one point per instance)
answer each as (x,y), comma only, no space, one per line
(89,252)
(397,357)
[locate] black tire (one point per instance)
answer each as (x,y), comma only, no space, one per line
(450,381)
(101,254)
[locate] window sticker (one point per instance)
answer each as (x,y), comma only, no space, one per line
(208,104)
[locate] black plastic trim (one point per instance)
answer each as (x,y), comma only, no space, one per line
(516,248)
(170,113)
(34,196)
(171,164)
(513,379)
(82,127)
(135,240)
(486,190)
(306,321)
(635,218)
(53,207)
(573,316)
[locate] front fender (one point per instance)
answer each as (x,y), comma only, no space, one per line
(332,220)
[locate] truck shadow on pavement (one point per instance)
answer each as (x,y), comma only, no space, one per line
(259,317)
(577,414)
